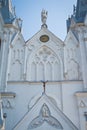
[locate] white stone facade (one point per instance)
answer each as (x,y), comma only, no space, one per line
(25,65)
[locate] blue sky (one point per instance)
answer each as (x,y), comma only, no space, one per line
(30,12)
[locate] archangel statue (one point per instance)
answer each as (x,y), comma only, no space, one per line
(44,14)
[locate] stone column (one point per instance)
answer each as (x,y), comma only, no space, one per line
(1,115)
(82,109)
(25,63)
(4,60)
(83,55)
(85,114)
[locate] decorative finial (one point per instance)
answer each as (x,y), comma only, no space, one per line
(20,23)
(74,9)
(44,14)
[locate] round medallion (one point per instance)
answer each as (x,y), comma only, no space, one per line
(44,38)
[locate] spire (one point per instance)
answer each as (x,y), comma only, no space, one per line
(79,13)
(7,11)
(81,10)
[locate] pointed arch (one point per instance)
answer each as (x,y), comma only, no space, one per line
(45,57)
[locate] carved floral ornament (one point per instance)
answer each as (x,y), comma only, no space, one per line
(45,116)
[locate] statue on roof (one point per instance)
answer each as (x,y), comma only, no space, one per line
(44,14)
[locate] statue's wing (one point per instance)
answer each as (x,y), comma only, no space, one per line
(38,121)
(54,122)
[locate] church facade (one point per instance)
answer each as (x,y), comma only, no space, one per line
(43,81)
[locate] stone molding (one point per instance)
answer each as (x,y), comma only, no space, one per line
(81,94)
(7,95)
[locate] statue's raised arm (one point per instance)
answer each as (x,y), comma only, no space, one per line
(44,14)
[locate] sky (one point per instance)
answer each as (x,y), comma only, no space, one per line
(30,12)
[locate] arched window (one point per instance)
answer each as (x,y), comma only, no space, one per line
(45,65)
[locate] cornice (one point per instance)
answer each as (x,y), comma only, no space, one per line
(81,94)
(7,95)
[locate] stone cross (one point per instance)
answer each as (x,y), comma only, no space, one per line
(44,85)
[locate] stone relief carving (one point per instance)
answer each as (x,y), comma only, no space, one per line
(71,53)
(52,59)
(7,104)
(82,104)
(45,116)
(17,55)
(16,64)
(46,60)
(72,57)
(44,53)
(37,59)
(58,47)
(31,47)
(72,70)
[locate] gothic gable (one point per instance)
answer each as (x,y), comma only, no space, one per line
(44,57)
(46,62)
(17,38)
(69,36)
(45,31)
(16,55)
(45,115)
(72,58)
